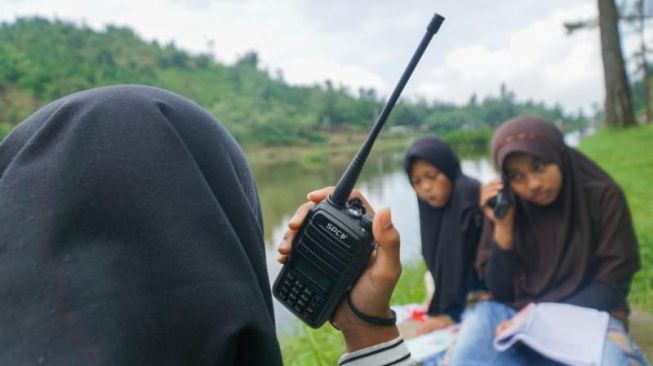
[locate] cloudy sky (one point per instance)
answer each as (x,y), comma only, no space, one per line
(481,44)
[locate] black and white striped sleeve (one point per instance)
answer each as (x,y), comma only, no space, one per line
(394,352)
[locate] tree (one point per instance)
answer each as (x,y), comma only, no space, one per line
(639,17)
(249,59)
(618,101)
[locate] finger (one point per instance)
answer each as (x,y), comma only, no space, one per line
(294,224)
(498,330)
(286,242)
(487,194)
(285,247)
(320,194)
(387,237)
(296,221)
(493,185)
(501,327)
(485,198)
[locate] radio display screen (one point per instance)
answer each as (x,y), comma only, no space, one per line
(313,273)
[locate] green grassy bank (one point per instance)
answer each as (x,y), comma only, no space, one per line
(626,155)
(343,146)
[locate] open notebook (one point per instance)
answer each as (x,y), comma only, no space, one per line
(569,334)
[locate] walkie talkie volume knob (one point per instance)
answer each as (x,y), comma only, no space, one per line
(366,222)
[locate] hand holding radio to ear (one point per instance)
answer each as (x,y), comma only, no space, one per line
(371,293)
(503,227)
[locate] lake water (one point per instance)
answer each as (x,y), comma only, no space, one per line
(283,188)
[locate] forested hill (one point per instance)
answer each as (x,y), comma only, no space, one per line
(41,60)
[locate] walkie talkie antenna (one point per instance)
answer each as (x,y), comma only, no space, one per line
(348,179)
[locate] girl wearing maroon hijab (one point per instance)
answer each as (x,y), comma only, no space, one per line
(567,238)
(447,199)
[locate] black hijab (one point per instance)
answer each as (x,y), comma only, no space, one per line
(131,234)
(584,236)
(449,234)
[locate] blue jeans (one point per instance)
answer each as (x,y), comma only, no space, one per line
(474,344)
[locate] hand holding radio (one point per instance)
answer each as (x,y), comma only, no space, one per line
(498,209)
(372,291)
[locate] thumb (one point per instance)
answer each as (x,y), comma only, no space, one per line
(387,238)
(320,194)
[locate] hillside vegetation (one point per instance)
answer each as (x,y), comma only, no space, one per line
(42,60)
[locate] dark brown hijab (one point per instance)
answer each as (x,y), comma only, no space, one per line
(585,236)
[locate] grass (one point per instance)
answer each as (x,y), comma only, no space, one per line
(5,128)
(626,155)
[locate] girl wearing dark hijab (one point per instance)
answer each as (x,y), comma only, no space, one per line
(567,238)
(450,223)
(131,234)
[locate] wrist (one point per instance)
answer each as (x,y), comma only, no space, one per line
(363,336)
(503,236)
(359,334)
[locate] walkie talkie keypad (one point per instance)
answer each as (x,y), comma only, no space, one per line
(302,298)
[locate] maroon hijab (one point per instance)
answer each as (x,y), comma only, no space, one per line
(584,236)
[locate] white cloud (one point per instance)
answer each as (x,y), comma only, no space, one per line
(309,70)
(538,62)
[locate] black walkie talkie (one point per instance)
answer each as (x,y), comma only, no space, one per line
(501,202)
(335,241)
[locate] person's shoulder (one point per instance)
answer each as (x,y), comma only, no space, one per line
(600,190)
(605,197)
